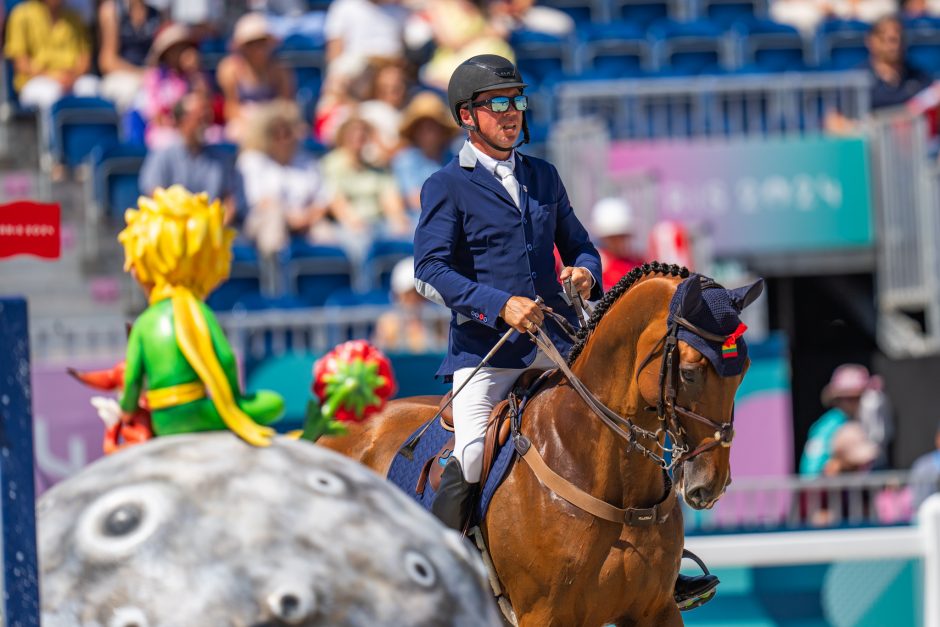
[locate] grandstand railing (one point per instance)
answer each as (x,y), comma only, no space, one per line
(791,502)
(907,198)
(268,332)
(716,106)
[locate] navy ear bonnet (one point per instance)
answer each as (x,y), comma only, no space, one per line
(712,308)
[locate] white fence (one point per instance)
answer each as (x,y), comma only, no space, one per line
(920,542)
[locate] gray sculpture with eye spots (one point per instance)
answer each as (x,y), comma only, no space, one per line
(204,530)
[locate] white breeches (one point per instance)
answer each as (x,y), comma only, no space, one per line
(472,409)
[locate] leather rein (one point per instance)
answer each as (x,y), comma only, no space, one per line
(668,412)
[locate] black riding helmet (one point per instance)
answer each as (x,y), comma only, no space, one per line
(484,72)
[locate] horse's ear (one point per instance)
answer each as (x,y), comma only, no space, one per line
(743,296)
(692,299)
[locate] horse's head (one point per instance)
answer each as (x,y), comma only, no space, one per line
(703,358)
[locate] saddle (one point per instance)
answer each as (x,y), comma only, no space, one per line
(497,431)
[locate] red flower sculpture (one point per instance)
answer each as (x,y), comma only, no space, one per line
(352,382)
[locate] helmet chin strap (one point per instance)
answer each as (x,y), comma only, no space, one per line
(486,140)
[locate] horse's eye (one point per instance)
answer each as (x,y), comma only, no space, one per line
(690,374)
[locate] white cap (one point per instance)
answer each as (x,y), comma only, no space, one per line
(403,276)
(612,216)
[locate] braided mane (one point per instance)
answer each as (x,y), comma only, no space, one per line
(614,294)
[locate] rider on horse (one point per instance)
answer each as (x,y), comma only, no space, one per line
(490,220)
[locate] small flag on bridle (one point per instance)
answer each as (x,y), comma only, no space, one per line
(729,350)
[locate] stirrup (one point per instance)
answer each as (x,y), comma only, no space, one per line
(708,591)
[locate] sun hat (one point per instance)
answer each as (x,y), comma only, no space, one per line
(250,27)
(426,105)
(612,216)
(169,36)
(848,381)
(403,276)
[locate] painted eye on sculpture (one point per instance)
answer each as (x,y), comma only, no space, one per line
(420,569)
(118,522)
(123,520)
(325,483)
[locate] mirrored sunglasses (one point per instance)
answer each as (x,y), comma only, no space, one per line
(500,104)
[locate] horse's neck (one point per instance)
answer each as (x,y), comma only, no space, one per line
(607,366)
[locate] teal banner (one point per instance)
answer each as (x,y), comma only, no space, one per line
(760,196)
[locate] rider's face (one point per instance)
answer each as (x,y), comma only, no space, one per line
(500,128)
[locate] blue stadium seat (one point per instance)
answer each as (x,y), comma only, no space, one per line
(78,125)
(770,46)
(641,13)
(581,10)
(314,272)
(115,170)
(244,279)
(923,44)
(540,55)
(687,47)
(618,47)
(381,258)
(840,44)
(729,12)
(306,55)
(212,50)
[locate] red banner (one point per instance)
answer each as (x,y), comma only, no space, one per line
(30,228)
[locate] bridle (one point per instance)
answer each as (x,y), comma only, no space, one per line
(668,410)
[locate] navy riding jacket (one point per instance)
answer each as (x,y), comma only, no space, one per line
(474,249)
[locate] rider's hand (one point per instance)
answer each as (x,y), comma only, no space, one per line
(582,280)
(522,314)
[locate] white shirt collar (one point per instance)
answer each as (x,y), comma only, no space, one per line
(489,162)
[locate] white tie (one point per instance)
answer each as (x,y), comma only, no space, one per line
(507,176)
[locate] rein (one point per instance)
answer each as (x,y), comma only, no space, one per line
(667,409)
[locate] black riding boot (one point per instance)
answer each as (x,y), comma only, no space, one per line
(454,497)
(692,592)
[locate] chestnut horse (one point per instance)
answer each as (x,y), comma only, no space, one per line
(558,564)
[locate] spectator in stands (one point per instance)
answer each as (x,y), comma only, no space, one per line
(461,30)
(613,226)
(175,71)
(507,16)
(342,91)
(365,29)
(204,18)
(894,80)
(285,192)
(404,329)
(384,104)
(51,53)
(843,396)
(366,202)
(251,74)
(427,131)
(925,473)
(126,31)
(193,164)
(852,451)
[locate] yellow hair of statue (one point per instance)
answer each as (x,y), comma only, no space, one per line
(177,239)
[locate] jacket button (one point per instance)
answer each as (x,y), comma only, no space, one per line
(528,246)
(534,275)
(525,221)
